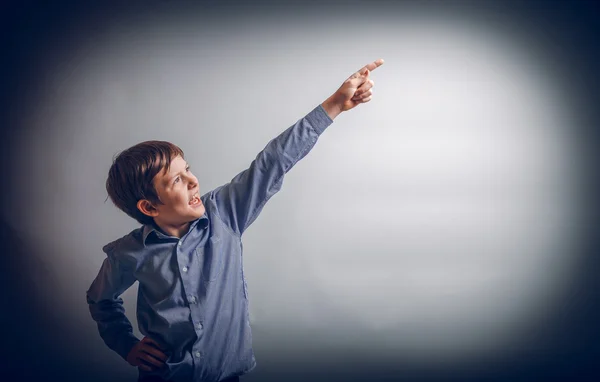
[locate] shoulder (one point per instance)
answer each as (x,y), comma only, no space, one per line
(215,214)
(210,195)
(210,202)
(127,247)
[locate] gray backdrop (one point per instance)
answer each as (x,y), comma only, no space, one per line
(436,228)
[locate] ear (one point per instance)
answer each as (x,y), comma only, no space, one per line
(147,208)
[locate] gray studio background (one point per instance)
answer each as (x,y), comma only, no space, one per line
(435,225)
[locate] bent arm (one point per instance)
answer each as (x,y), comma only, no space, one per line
(106,307)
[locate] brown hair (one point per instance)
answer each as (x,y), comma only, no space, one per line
(131,174)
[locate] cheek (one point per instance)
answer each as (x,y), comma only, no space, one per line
(182,201)
(178,202)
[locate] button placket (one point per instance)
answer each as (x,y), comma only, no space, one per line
(183,259)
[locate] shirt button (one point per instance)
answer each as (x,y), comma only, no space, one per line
(192,299)
(199,325)
(185,269)
(198,354)
(179,244)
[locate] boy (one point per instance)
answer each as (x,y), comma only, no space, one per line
(192,304)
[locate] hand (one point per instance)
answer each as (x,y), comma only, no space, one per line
(355,90)
(147,355)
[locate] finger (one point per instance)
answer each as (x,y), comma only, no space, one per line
(363,95)
(360,75)
(364,87)
(357,82)
(149,359)
(356,75)
(152,342)
(365,70)
(145,367)
(372,66)
(143,364)
(365,100)
(154,352)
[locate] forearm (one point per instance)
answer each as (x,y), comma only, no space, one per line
(113,326)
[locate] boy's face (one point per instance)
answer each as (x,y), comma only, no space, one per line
(179,193)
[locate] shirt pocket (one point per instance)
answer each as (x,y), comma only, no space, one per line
(212,259)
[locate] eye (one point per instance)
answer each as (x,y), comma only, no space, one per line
(176,180)
(187,169)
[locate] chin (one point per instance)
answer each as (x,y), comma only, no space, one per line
(199,211)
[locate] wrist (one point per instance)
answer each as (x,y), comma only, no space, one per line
(331,107)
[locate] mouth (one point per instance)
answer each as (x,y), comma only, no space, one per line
(195,200)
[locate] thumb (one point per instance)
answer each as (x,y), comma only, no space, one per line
(361,79)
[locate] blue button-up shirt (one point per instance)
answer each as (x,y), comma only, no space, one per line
(192,295)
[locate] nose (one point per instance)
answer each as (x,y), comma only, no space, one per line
(192,182)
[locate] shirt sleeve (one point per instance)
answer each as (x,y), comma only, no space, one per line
(106,307)
(240,201)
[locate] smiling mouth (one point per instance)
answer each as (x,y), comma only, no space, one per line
(195,200)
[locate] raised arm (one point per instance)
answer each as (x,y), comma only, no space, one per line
(241,200)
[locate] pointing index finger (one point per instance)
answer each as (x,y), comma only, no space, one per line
(372,66)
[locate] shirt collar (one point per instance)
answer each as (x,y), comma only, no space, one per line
(201,223)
